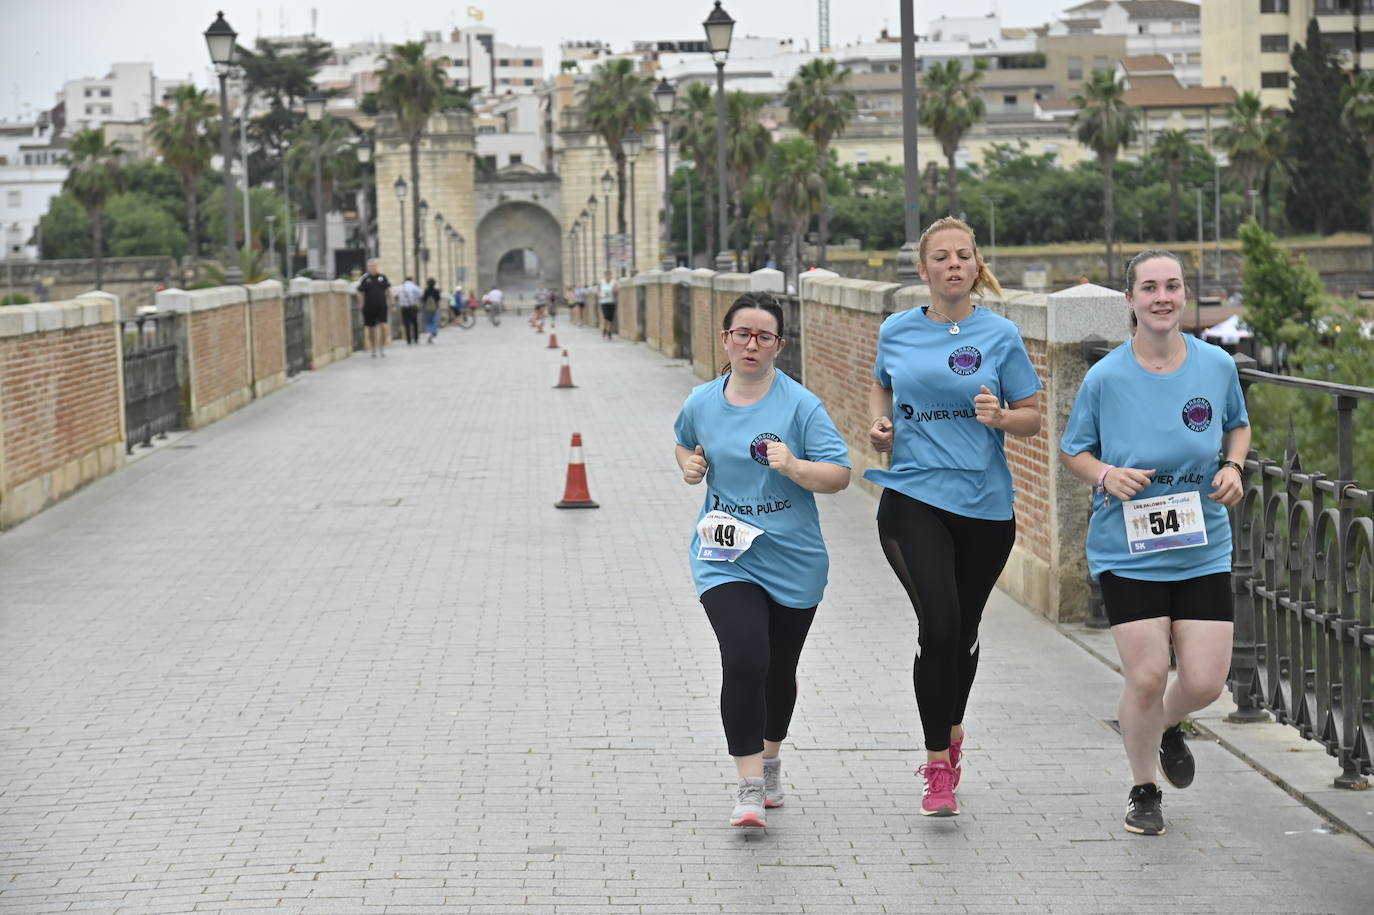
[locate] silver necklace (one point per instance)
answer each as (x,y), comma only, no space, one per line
(953,324)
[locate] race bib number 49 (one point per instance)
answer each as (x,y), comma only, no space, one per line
(723,537)
(1171,522)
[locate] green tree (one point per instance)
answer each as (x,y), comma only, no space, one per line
(184,136)
(1245,139)
(282,78)
(820,104)
(96,175)
(1281,297)
(141,227)
(339,166)
(65,229)
(615,101)
(694,132)
(1357,112)
(1171,147)
(746,148)
(1323,159)
(794,189)
(414,88)
(950,106)
(1105,123)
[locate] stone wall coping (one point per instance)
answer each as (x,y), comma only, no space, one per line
(45,317)
(341,285)
(186,301)
(766,279)
(855,295)
(733,282)
(301,284)
(655,278)
(703,276)
(680,274)
(1085,312)
(267,289)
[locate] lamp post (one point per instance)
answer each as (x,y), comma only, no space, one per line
(687,166)
(314,112)
(400,187)
(719,27)
(452,279)
(288,243)
(220,38)
(607,182)
(591,209)
(439,246)
(364,152)
(462,258)
(421,252)
(1216,216)
(572,247)
(907,273)
(665,97)
(1197,298)
(634,145)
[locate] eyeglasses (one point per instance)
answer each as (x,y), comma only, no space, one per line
(742,337)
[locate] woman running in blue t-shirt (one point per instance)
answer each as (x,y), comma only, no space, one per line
(763,444)
(950,381)
(1157,425)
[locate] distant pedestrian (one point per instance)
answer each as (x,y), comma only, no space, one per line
(456,301)
(408,296)
(580,295)
(375,293)
(1147,425)
(960,380)
(607,302)
(764,445)
(553,298)
(431,302)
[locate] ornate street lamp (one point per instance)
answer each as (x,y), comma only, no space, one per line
(400,187)
(462,258)
(719,27)
(439,245)
(633,145)
(591,209)
(314,112)
(221,40)
(364,153)
(607,182)
(422,253)
(665,97)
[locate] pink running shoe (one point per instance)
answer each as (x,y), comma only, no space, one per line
(956,755)
(939,798)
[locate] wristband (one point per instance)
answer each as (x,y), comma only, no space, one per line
(1102,478)
(1239,469)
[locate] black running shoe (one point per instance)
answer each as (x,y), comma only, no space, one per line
(1175,759)
(1144,811)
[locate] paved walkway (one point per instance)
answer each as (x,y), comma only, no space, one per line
(339,653)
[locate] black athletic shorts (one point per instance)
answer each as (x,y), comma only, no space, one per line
(608,310)
(1207,597)
(374,315)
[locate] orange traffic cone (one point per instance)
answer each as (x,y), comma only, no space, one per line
(575,494)
(553,341)
(565,374)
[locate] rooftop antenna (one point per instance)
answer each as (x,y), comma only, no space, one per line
(314,16)
(823,14)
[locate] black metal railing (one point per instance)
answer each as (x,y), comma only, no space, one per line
(152,392)
(790,359)
(641,312)
(1303,576)
(294,329)
(682,320)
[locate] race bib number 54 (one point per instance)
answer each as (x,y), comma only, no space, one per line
(723,537)
(1170,522)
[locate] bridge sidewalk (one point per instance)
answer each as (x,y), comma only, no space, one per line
(339,653)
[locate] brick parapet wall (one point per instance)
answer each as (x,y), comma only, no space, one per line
(61,409)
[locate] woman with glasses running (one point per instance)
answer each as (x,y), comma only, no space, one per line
(950,381)
(764,445)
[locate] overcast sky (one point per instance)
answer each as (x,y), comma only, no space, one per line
(51,41)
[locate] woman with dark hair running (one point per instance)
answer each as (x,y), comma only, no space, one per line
(960,379)
(764,445)
(1157,423)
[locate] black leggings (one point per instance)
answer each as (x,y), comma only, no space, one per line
(410,322)
(948,565)
(760,644)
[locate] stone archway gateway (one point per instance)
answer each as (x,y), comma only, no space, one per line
(519,243)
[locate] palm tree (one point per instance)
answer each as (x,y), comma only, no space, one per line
(96,175)
(820,105)
(694,131)
(1357,112)
(413,88)
(1105,123)
(950,105)
(1275,145)
(1172,148)
(615,101)
(338,159)
(746,148)
(794,189)
(184,135)
(1243,140)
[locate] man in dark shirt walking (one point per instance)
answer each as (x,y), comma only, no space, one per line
(375,291)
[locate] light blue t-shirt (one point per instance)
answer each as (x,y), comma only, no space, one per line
(941,454)
(789,561)
(1130,417)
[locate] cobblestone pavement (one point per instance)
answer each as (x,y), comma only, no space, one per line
(339,653)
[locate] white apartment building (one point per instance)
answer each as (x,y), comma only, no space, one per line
(128,93)
(511,131)
(31,174)
(1171,29)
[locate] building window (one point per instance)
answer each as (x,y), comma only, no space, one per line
(14,198)
(485,129)
(1009,101)
(104,93)
(1075,68)
(88,92)
(529,61)
(503,62)
(1274,44)
(504,81)
(489,163)
(861,157)
(529,82)
(1273,6)
(1099,63)
(516,158)
(1277,79)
